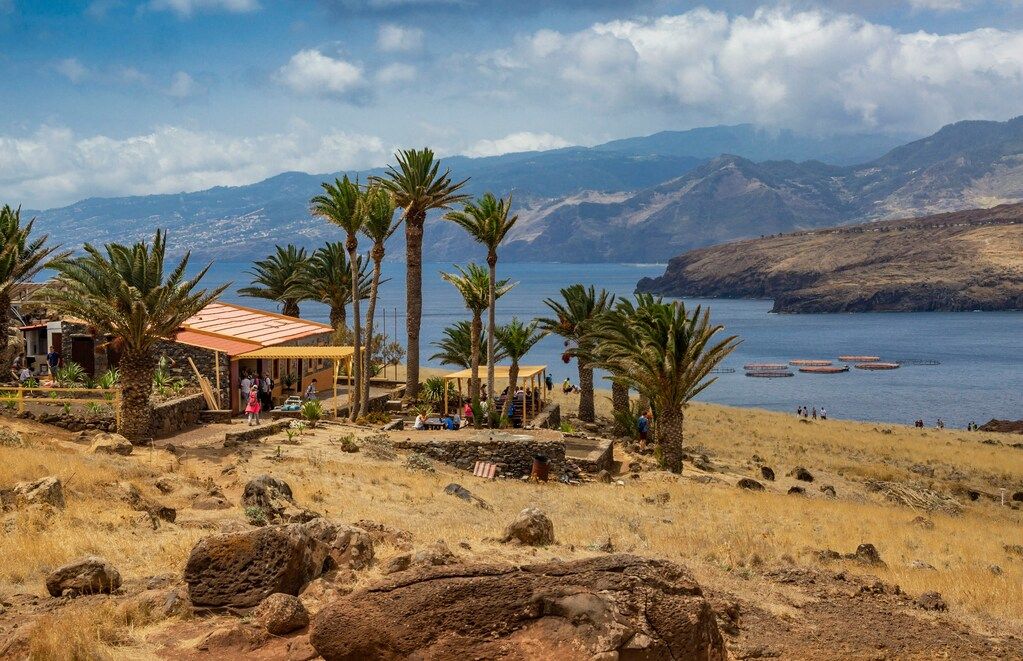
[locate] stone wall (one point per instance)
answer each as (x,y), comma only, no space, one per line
(236,438)
(513,453)
(71,422)
(549,418)
(178,354)
(177,414)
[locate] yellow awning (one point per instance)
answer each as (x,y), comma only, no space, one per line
(500,372)
(326,353)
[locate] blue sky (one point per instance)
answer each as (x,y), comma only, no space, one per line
(112,97)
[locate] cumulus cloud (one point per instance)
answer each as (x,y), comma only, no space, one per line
(396,73)
(72,69)
(395,38)
(517,142)
(311,72)
(802,69)
(182,86)
(937,5)
(54,166)
(186,8)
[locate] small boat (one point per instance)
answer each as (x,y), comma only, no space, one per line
(830,369)
(802,362)
(859,359)
(760,367)
(769,374)
(877,366)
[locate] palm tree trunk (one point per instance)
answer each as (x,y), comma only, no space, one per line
(474,381)
(5,326)
(586,407)
(513,377)
(668,434)
(378,256)
(339,322)
(620,404)
(491,323)
(290,308)
(136,389)
(413,301)
(353,259)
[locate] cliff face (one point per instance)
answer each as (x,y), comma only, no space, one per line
(969,260)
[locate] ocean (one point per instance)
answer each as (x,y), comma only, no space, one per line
(980,375)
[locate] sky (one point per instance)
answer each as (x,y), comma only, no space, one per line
(124,97)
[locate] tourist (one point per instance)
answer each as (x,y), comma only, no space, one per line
(266,392)
(25,375)
(467,411)
(549,382)
(420,423)
(643,426)
(799,411)
(19,362)
(246,387)
(310,391)
(824,413)
(252,410)
(52,361)
(940,424)
(815,413)
(566,387)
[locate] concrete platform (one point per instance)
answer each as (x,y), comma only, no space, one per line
(591,455)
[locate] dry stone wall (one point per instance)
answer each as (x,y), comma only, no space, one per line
(512,453)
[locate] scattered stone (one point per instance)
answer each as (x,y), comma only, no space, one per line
(419,461)
(107,443)
(210,503)
(532,528)
(922,522)
(459,491)
(436,555)
(604,477)
(995,569)
(827,555)
(396,564)
(767,473)
(165,485)
(606,607)
(749,483)
(635,466)
(325,589)
(88,575)
(922,469)
(605,545)
(1018,496)
(45,491)
(1013,549)
(281,613)
(659,499)
(796,491)
(385,534)
(801,474)
(867,554)
(9,438)
(828,490)
(703,463)
(922,566)
(931,601)
(348,547)
(241,569)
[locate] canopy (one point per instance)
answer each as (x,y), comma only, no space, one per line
(500,372)
(292,353)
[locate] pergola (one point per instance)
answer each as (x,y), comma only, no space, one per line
(532,376)
(335,354)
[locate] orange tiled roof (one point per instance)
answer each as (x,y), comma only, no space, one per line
(216,342)
(247,325)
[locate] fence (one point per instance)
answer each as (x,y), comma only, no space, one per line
(22,395)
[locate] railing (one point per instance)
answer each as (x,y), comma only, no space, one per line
(21,395)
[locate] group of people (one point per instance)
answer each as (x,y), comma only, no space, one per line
(22,373)
(257,392)
(940,424)
(807,413)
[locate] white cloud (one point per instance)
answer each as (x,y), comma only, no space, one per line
(53,166)
(186,8)
(395,38)
(182,86)
(804,69)
(396,73)
(937,5)
(312,72)
(517,142)
(72,69)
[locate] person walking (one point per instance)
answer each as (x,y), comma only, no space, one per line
(815,413)
(549,382)
(246,388)
(266,392)
(52,361)
(824,413)
(252,410)
(643,426)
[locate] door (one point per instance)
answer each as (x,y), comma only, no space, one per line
(83,353)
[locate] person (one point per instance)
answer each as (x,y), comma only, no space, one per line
(549,382)
(799,411)
(643,426)
(449,423)
(467,411)
(19,362)
(52,361)
(252,410)
(824,413)
(266,386)
(566,387)
(941,424)
(815,413)
(25,374)
(420,423)
(310,391)
(246,387)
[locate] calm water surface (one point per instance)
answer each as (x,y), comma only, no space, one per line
(981,353)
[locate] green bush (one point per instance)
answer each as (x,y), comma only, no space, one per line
(312,410)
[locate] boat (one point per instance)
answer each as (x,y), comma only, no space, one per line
(760,367)
(769,374)
(859,359)
(803,362)
(917,361)
(877,366)
(822,369)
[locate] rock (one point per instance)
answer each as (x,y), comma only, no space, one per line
(605,545)
(703,463)
(801,474)
(604,477)
(436,555)
(995,569)
(418,461)
(107,443)
(210,503)
(749,483)
(273,496)
(348,547)
(459,491)
(931,601)
(131,495)
(45,491)
(88,575)
(922,469)
(165,485)
(396,564)
(326,589)
(659,499)
(615,606)
(1018,496)
(922,566)
(385,534)
(828,490)
(281,613)
(923,522)
(532,527)
(767,473)
(241,569)
(796,491)
(11,439)
(867,554)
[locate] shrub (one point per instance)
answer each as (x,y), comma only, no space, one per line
(312,410)
(255,515)
(348,443)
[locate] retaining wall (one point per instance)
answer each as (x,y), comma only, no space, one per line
(512,454)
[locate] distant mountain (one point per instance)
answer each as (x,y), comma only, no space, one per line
(241,222)
(966,260)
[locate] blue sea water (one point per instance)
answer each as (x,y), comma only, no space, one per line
(981,353)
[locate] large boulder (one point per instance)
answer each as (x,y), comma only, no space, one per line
(531,527)
(88,575)
(45,491)
(616,606)
(349,547)
(281,613)
(242,569)
(273,497)
(107,443)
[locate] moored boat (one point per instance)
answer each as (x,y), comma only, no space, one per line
(760,367)
(769,374)
(803,362)
(822,369)
(877,366)
(859,359)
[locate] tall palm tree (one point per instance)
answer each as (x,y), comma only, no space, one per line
(328,280)
(341,204)
(516,339)
(279,278)
(124,292)
(460,340)
(666,354)
(21,259)
(418,187)
(579,306)
(378,225)
(487,221)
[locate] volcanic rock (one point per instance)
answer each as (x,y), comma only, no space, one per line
(45,491)
(532,527)
(348,547)
(281,613)
(107,443)
(88,575)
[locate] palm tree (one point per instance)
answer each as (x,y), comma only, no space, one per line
(124,292)
(340,204)
(516,339)
(417,187)
(21,259)
(578,308)
(458,345)
(666,354)
(487,221)
(279,278)
(473,283)
(378,225)
(328,280)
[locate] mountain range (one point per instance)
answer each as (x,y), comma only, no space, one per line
(639,199)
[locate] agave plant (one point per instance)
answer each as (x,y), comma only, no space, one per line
(108,379)
(70,375)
